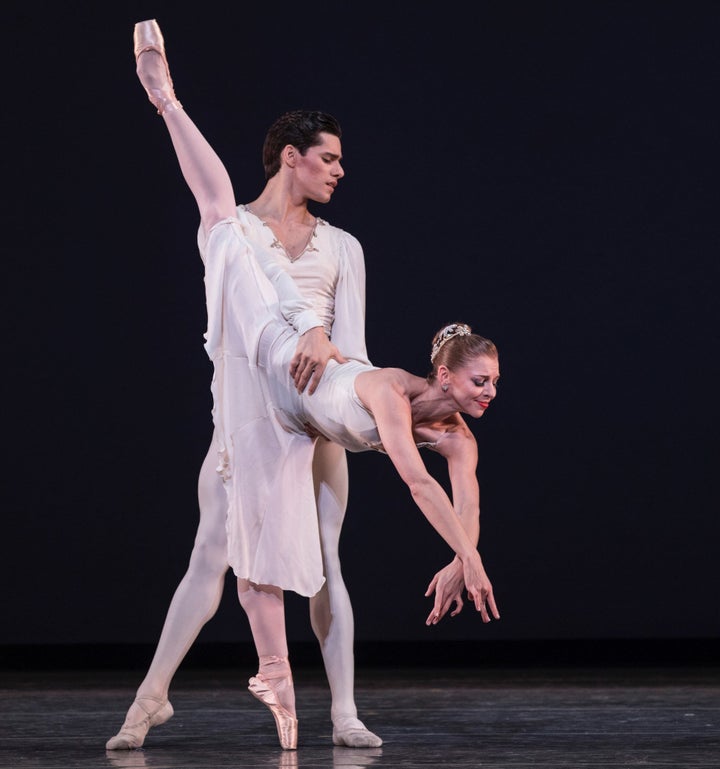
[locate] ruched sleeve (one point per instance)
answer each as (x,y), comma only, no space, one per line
(348,330)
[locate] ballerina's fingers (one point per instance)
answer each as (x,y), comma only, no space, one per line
(492,605)
(482,600)
(459,603)
(441,608)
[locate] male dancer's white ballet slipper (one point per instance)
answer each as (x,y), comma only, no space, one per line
(352,733)
(148,37)
(132,735)
(286,723)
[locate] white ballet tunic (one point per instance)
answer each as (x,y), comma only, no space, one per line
(265,455)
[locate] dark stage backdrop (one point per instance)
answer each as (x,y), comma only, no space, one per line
(546,172)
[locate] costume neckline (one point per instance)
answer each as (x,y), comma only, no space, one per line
(277,243)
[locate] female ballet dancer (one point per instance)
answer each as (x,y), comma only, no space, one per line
(266,429)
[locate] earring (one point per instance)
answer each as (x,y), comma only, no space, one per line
(444,388)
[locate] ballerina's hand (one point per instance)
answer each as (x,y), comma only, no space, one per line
(312,354)
(479,588)
(448,585)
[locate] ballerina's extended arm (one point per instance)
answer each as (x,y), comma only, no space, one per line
(394,422)
(460,450)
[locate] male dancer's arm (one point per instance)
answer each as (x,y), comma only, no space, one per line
(348,329)
(314,349)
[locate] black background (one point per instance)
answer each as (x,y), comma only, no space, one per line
(543,171)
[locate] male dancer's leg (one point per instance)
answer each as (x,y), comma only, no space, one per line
(331,612)
(195,601)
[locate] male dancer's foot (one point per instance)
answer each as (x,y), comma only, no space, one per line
(143,713)
(352,733)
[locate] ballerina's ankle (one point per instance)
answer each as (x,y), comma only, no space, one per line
(167,104)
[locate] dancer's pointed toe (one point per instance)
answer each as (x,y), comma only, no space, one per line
(158,86)
(287,724)
(147,36)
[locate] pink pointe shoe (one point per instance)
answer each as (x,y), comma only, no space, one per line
(260,687)
(132,735)
(148,37)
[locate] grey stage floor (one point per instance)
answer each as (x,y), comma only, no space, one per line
(428,717)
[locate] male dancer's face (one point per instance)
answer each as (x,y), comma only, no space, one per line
(318,171)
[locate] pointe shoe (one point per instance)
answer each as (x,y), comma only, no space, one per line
(350,732)
(286,723)
(148,37)
(132,736)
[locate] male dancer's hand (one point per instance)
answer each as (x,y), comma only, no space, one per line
(312,354)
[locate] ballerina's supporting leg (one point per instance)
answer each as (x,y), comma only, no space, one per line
(273,685)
